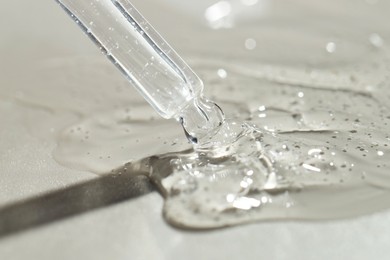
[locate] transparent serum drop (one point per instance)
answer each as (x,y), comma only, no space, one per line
(201,119)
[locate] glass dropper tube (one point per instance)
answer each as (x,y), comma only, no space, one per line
(166,82)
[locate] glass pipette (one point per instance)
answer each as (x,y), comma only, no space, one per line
(148,62)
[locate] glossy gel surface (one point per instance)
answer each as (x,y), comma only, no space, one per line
(307,119)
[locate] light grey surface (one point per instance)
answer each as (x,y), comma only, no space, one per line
(132,228)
